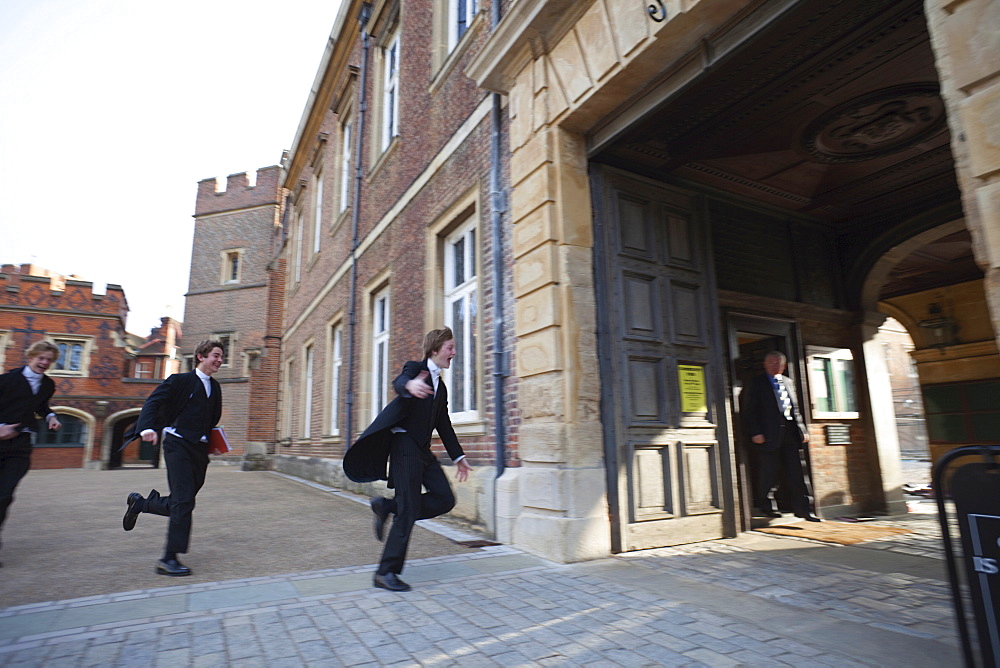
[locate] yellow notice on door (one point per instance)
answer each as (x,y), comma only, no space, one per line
(692,381)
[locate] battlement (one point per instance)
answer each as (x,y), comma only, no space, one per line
(30,285)
(238,193)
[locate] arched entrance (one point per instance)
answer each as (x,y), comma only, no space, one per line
(932,285)
(801,143)
(135,454)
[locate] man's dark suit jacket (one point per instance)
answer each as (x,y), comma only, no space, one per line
(18,404)
(165,403)
(762,415)
(366,460)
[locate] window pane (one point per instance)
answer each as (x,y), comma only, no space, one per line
(821,382)
(61,362)
(456,399)
(469,350)
(458,250)
(845,386)
(472,252)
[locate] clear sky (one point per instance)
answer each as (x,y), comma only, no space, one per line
(111,111)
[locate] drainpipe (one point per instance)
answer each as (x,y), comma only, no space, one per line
(497,209)
(366,12)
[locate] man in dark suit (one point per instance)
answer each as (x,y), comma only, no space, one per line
(24,397)
(401,434)
(774,423)
(186,406)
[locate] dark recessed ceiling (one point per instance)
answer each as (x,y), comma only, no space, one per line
(831,113)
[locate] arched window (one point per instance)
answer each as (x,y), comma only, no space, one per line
(72,433)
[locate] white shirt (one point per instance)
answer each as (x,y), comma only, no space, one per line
(34,379)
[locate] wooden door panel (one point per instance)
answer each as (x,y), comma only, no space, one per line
(657,314)
(647,404)
(650,474)
(641,301)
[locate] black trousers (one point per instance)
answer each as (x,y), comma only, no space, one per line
(783,464)
(187,463)
(412,467)
(15,460)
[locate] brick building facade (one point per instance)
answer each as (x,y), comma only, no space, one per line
(233,270)
(97,395)
(690,185)
(379,255)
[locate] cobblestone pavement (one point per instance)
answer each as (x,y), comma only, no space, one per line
(756,600)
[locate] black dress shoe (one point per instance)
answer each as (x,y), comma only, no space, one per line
(770,513)
(809,517)
(380,506)
(132,510)
(390,581)
(171,567)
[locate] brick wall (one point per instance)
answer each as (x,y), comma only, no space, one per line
(244,218)
(429,119)
(37,303)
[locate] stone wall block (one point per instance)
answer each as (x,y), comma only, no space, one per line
(520,102)
(508,504)
(989,208)
(535,269)
(568,65)
(532,192)
(558,103)
(973,39)
(528,158)
(535,229)
(574,190)
(540,352)
(542,441)
(540,396)
(981,117)
(544,488)
(562,539)
(594,29)
(630,25)
(537,310)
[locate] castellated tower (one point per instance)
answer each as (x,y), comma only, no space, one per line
(233,274)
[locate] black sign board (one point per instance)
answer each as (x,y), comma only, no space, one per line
(838,434)
(975,489)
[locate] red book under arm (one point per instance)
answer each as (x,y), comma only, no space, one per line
(218,444)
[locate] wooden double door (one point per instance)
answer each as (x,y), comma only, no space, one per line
(669,472)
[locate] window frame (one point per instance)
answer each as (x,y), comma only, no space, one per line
(308,386)
(464,288)
(842,395)
(455,30)
(67,420)
(229,256)
(228,341)
(86,344)
(317,209)
(335,346)
(389,95)
(345,161)
(380,340)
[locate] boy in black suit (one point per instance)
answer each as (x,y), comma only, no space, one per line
(24,394)
(185,407)
(402,434)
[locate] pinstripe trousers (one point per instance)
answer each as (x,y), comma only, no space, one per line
(410,468)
